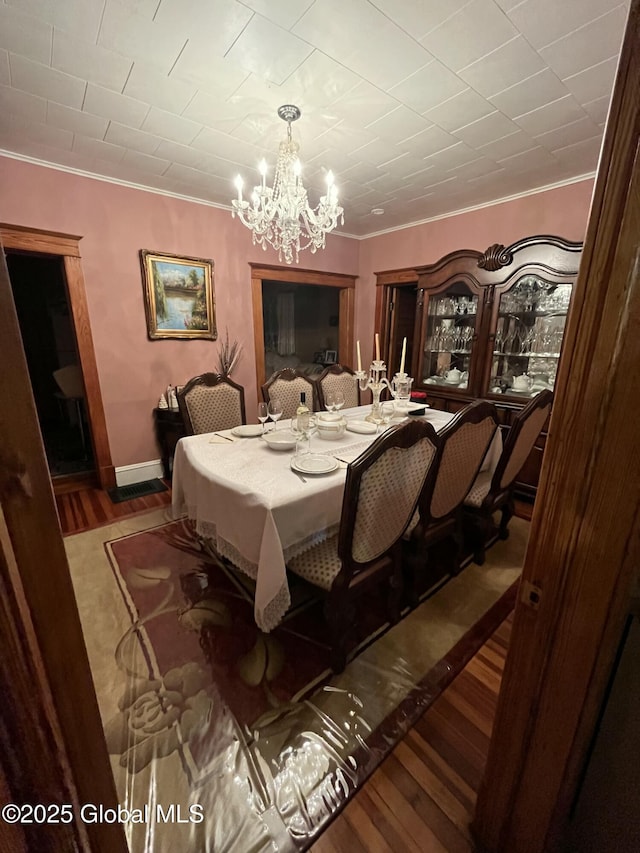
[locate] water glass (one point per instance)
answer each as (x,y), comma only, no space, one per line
(338,400)
(263,414)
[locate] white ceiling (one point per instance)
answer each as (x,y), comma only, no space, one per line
(421,107)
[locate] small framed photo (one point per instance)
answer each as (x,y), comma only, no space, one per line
(330,356)
(318,357)
(178,296)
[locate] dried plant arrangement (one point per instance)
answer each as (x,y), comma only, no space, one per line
(229,353)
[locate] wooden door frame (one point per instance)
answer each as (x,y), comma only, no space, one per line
(386,281)
(66,247)
(52,745)
(584,544)
(347,283)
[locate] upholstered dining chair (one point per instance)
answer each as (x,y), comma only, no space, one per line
(493,491)
(286,385)
(211,402)
(464,443)
(381,493)
(338,377)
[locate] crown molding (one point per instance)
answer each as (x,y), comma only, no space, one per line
(12,155)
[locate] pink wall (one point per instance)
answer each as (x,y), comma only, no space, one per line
(115,222)
(563,212)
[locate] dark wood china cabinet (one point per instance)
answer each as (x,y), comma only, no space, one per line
(489,325)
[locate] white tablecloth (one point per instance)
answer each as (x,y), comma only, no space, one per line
(244,496)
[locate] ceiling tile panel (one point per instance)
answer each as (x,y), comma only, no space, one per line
(475,169)
(460,110)
(550,116)
(80,17)
(211,26)
(509,64)
(385,57)
(5,76)
(98,149)
(363,105)
(473,32)
(570,134)
(486,130)
(582,155)
(24,34)
(399,124)
(227,147)
(46,82)
(544,21)
(532,93)
(112,105)
(595,82)
(284,13)
(320,81)
(90,61)
(129,137)
(507,146)
(218,77)
(53,137)
(419,17)
(598,109)
(149,85)
(268,51)
(146,163)
(138,36)
(587,46)
(76,121)
(21,105)
(428,142)
(170,126)
(533,159)
(428,87)
(215,113)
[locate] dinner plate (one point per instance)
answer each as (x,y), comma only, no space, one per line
(410,406)
(364,427)
(313,463)
(247,430)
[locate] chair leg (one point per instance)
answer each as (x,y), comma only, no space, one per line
(395,590)
(483,526)
(336,616)
(458,540)
(507,513)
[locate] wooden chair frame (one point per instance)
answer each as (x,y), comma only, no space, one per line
(210,380)
(354,577)
(335,370)
(500,497)
(430,529)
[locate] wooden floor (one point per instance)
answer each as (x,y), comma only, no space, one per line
(422,797)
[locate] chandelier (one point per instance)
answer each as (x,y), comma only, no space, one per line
(281,215)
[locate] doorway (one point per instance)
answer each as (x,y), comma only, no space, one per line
(48,336)
(301,326)
(64,250)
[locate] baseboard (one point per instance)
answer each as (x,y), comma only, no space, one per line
(127,475)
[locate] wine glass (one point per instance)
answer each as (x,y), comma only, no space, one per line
(338,400)
(263,414)
(329,401)
(387,411)
(275,411)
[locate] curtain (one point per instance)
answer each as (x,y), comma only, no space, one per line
(285,309)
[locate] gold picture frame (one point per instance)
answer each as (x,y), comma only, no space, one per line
(178,296)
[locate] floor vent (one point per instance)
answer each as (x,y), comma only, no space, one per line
(136,490)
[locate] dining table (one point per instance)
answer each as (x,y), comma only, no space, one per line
(258,512)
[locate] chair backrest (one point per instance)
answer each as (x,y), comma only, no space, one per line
(211,402)
(287,385)
(524,431)
(464,444)
(69,380)
(337,377)
(381,493)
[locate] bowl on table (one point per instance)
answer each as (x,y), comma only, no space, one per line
(282,439)
(330,425)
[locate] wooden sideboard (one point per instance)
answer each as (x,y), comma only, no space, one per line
(170,429)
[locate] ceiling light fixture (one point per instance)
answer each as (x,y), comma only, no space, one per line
(281,215)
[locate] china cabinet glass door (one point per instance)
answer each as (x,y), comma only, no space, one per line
(449,337)
(528,337)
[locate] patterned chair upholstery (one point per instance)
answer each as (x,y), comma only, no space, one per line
(381,493)
(337,377)
(491,492)
(464,445)
(286,385)
(211,402)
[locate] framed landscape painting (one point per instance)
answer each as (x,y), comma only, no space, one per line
(178,296)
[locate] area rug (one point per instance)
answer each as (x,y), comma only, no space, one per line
(248,736)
